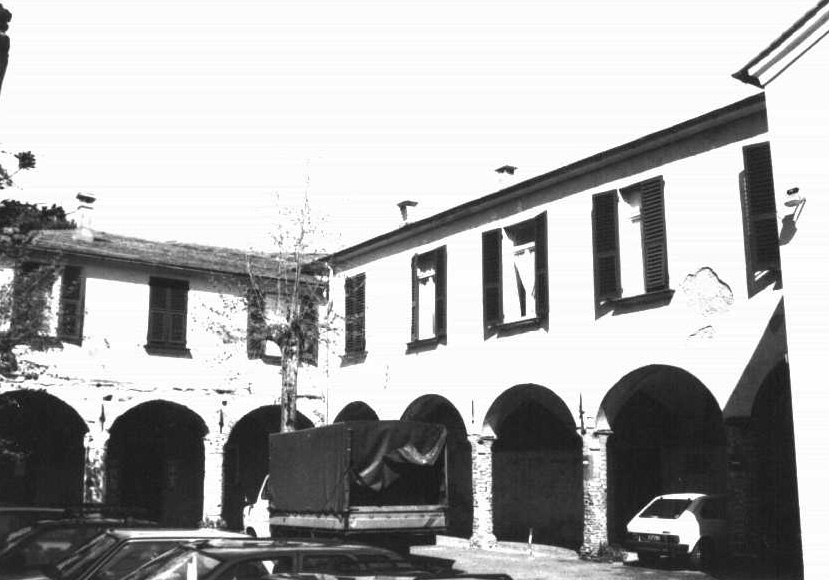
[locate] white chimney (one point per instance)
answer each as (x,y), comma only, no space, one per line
(83,217)
(506,175)
(407,212)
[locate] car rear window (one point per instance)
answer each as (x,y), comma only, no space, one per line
(666,509)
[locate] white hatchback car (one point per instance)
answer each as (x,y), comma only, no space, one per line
(256,519)
(680,525)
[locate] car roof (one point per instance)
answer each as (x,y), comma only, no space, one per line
(91,521)
(227,549)
(690,496)
(161,533)
(30,509)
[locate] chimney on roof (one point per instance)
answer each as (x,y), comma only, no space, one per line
(83,217)
(407,211)
(506,175)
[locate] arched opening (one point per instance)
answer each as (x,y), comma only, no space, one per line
(155,461)
(246,459)
(536,468)
(667,436)
(356,411)
(436,409)
(41,450)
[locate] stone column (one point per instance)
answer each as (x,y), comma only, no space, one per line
(482,523)
(594,464)
(94,476)
(213,476)
(743,529)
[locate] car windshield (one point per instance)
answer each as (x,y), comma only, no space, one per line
(85,555)
(666,509)
(177,564)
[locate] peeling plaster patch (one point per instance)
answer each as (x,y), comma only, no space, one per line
(705,293)
(704,333)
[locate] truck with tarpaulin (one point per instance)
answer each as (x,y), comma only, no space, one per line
(381,482)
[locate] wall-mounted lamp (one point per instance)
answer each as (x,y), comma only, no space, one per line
(789,226)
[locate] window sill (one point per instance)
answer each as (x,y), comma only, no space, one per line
(515,326)
(171,351)
(425,344)
(647,300)
(351,358)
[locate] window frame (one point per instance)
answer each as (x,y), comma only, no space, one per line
(167,345)
(438,336)
(492,274)
(607,260)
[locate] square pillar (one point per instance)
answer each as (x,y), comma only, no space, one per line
(94,480)
(213,477)
(482,522)
(594,473)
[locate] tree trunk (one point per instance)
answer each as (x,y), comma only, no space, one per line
(290,369)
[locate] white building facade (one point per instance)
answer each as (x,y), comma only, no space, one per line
(591,337)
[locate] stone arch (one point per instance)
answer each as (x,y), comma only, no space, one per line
(666,435)
(246,458)
(155,461)
(356,411)
(437,409)
(41,449)
(536,468)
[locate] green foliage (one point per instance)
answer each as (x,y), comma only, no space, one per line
(25,160)
(26,217)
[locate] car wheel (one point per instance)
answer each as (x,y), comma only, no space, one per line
(647,558)
(702,557)
(251,532)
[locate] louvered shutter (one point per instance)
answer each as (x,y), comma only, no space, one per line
(541,277)
(654,240)
(157,333)
(415,299)
(70,319)
(178,316)
(759,208)
(355,305)
(440,291)
(492,293)
(606,263)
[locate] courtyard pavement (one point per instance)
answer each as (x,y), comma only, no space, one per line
(541,563)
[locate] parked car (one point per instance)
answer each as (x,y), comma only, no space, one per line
(253,559)
(117,552)
(256,517)
(46,542)
(13,518)
(676,525)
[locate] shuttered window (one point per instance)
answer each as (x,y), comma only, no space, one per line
(606,263)
(654,241)
(759,211)
(515,274)
(429,295)
(167,327)
(70,318)
(355,314)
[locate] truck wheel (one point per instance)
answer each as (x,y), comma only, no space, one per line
(647,558)
(702,557)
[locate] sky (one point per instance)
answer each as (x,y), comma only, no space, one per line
(208,122)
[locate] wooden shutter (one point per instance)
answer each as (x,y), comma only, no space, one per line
(606,265)
(157,332)
(355,313)
(541,277)
(168,313)
(440,291)
(256,324)
(492,292)
(309,351)
(759,208)
(70,319)
(654,239)
(415,299)
(178,315)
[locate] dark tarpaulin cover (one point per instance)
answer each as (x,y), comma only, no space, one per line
(310,469)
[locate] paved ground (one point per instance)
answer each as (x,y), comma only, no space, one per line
(544,563)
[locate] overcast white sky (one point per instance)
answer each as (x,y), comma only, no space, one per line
(193,119)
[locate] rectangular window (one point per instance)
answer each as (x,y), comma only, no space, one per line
(515,273)
(167,328)
(267,311)
(630,252)
(429,296)
(355,314)
(70,318)
(762,244)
